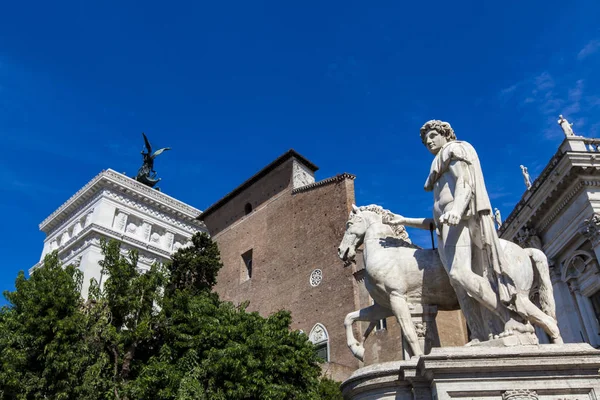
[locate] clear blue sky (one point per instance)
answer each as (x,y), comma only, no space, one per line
(232,85)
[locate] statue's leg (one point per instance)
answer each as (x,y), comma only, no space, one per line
(471,309)
(402,313)
(540,318)
(372,314)
(457,249)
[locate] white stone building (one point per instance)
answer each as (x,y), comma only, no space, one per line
(560,214)
(114,206)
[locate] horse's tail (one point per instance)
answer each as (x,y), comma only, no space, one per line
(540,263)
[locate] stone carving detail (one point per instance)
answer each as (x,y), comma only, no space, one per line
(131,228)
(520,394)
(146,229)
(528,238)
(169,238)
(526,177)
(77,228)
(566,126)
(150,211)
(316,277)
(120,220)
(591,229)
(155,238)
(301,176)
(317,334)
(64,238)
(421,329)
(88,217)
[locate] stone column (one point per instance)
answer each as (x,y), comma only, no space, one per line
(588,316)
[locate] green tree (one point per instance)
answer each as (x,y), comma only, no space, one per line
(42,354)
(160,334)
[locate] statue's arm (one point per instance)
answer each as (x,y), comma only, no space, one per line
(420,223)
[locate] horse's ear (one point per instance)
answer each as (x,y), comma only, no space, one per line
(354,208)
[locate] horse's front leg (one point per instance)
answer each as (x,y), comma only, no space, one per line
(402,313)
(372,314)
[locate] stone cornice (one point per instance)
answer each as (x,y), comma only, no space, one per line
(110,178)
(562,179)
(333,179)
(527,196)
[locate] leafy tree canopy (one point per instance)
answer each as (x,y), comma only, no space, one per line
(156,334)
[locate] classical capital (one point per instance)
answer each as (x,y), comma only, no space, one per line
(591,229)
(528,237)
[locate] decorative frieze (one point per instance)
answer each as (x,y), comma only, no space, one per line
(520,394)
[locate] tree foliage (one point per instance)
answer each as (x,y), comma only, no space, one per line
(159,334)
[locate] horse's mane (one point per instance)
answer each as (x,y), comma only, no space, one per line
(399,230)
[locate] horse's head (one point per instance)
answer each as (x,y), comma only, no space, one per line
(356,227)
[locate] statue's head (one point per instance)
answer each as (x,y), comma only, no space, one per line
(435,134)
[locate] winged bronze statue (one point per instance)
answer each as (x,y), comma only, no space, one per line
(146,174)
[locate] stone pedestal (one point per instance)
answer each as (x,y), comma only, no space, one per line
(535,372)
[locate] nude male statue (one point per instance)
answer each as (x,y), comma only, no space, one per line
(468,243)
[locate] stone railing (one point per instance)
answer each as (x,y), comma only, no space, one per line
(592,144)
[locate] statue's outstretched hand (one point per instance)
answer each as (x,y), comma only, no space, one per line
(450,218)
(393,219)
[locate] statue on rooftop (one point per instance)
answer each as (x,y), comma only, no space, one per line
(498,218)
(146,174)
(566,126)
(526,177)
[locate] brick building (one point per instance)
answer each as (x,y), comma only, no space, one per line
(278,234)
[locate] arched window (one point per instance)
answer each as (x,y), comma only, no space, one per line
(248,208)
(320,338)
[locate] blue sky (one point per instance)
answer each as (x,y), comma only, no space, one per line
(232,85)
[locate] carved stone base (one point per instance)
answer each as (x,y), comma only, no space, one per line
(534,372)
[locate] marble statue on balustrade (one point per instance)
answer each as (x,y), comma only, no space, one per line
(490,279)
(526,177)
(146,174)
(498,218)
(566,126)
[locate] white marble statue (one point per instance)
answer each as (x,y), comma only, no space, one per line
(498,218)
(566,126)
(526,177)
(398,273)
(491,281)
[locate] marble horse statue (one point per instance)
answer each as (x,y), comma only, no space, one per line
(398,273)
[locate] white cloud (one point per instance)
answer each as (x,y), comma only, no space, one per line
(589,49)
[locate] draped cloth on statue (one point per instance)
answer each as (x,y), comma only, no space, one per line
(482,230)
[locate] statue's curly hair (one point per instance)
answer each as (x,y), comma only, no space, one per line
(443,128)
